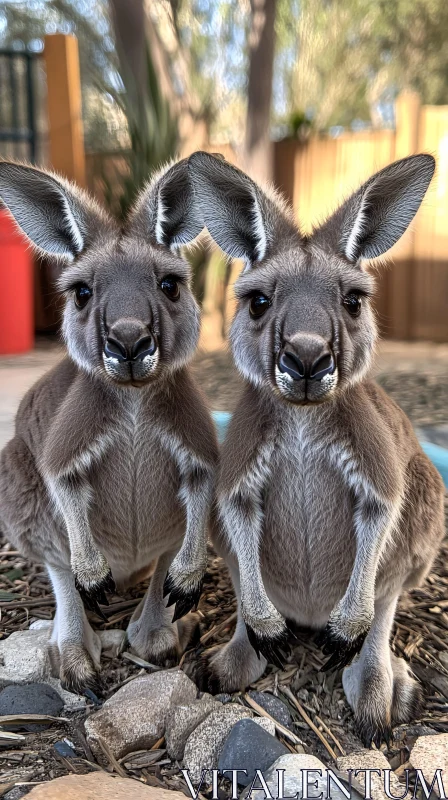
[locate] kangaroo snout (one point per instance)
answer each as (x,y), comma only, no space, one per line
(130,340)
(130,350)
(307,358)
(306,368)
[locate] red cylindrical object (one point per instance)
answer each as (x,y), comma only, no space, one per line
(16,289)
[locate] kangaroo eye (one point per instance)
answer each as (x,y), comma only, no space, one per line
(82,295)
(259,303)
(352,302)
(170,287)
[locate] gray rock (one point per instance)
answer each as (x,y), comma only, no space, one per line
(64,749)
(293,766)
(17,793)
(134,718)
(275,707)
(31,698)
(24,657)
(223,697)
(41,625)
(181,722)
(267,724)
(371,759)
(429,754)
(72,702)
(204,745)
(249,747)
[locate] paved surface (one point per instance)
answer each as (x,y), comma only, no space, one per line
(18,373)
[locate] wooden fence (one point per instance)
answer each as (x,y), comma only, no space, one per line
(316,177)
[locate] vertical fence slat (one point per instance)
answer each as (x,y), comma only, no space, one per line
(64,106)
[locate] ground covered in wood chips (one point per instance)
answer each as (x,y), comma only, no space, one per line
(420,635)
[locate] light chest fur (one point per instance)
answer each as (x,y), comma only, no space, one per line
(135,506)
(308,541)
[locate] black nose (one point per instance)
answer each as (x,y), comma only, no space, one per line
(146,346)
(129,340)
(307,358)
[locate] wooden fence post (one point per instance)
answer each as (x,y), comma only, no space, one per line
(400,283)
(64,107)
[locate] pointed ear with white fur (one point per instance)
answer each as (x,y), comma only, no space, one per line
(243,219)
(57,218)
(377,215)
(165,212)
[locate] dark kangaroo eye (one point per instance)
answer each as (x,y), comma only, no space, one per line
(259,303)
(352,303)
(82,295)
(170,287)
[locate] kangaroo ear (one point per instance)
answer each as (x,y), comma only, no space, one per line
(165,211)
(58,219)
(242,219)
(375,217)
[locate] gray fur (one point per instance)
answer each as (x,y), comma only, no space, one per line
(327,504)
(112,463)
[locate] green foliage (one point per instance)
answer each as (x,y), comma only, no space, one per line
(152,131)
(299,124)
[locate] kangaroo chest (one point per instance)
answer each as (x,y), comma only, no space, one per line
(135,507)
(308,541)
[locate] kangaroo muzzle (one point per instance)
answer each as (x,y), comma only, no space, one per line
(131,352)
(306,369)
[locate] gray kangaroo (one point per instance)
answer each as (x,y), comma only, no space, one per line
(113,460)
(327,506)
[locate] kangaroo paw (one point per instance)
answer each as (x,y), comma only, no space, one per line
(341,648)
(77,672)
(184,596)
(275,649)
(94,593)
(371,732)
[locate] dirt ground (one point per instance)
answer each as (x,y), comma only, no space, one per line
(417,378)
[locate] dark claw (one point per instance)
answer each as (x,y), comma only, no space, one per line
(373,733)
(90,694)
(183,601)
(97,594)
(168,585)
(341,650)
(275,650)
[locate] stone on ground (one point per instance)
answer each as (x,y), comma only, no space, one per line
(31,698)
(181,722)
(371,759)
(72,702)
(134,718)
(249,747)
(429,754)
(267,724)
(99,786)
(24,657)
(293,766)
(204,745)
(275,707)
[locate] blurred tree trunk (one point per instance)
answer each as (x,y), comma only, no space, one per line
(258,158)
(134,30)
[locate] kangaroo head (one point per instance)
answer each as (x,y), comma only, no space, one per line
(129,312)
(304,325)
